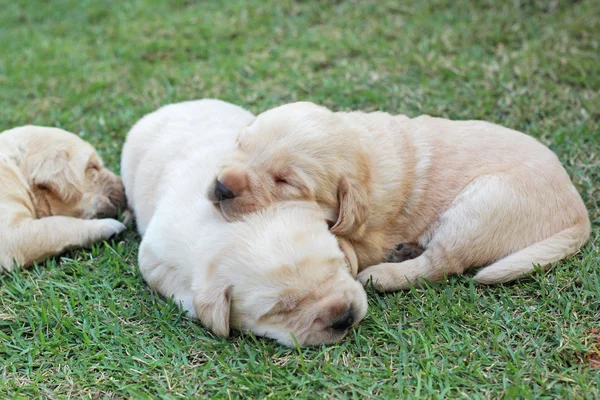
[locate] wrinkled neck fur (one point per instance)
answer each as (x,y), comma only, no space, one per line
(41,205)
(14,154)
(39,199)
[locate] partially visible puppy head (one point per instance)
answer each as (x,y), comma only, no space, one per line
(284,278)
(298,151)
(67,177)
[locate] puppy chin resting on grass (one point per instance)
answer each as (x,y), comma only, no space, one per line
(278,273)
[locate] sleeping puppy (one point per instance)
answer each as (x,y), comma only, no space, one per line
(278,273)
(470,193)
(53,185)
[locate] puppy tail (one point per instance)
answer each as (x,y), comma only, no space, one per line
(521,263)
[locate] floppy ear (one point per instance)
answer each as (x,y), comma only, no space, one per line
(350,255)
(213,309)
(353,208)
(50,170)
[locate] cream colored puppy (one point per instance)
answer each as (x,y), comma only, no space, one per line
(279,273)
(470,193)
(53,185)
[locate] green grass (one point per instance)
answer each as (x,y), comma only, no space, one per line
(85,325)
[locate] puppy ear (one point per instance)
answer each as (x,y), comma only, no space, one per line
(350,255)
(51,170)
(353,208)
(213,309)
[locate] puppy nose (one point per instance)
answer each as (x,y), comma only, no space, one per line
(344,321)
(222,192)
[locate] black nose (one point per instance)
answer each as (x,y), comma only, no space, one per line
(222,192)
(344,322)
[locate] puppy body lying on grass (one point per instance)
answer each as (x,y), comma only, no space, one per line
(52,184)
(278,272)
(470,193)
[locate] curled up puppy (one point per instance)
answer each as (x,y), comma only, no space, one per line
(278,273)
(469,193)
(54,186)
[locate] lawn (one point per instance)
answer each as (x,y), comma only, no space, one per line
(85,324)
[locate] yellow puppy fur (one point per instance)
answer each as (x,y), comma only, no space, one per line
(278,273)
(53,185)
(471,193)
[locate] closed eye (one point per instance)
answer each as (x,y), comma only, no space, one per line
(281,181)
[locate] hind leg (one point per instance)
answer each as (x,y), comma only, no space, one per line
(487,221)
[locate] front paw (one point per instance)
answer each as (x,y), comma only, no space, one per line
(109,228)
(378,275)
(404,252)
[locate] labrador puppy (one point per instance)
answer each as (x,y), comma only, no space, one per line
(278,273)
(470,193)
(53,186)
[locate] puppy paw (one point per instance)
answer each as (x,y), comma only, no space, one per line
(390,277)
(128,216)
(379,275)
(404,252)
(109,228)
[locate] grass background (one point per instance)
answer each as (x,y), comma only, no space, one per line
(85,325)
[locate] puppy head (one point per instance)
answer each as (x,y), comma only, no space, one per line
(298,151)
(68,178)
(285,278)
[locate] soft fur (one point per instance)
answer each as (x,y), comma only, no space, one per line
(470,193)
(279,273)
(53,185)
